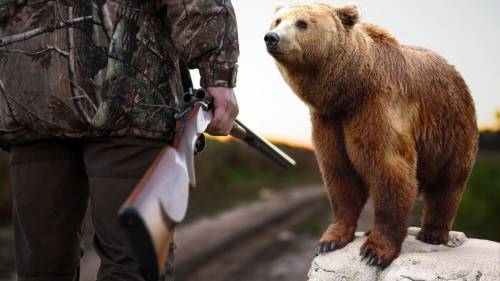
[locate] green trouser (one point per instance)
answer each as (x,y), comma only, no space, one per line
(52,182)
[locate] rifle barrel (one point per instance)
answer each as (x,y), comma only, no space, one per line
(243,133)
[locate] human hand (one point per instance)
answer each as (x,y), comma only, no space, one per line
(225,111)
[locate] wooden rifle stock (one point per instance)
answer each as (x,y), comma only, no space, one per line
(159,201)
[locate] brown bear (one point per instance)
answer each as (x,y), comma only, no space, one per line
(389,121)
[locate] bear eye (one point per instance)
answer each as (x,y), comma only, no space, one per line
(301,24)
(278,21)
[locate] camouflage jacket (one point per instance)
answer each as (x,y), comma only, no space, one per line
(97,68)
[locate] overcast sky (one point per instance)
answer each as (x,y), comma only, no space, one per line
(466,33)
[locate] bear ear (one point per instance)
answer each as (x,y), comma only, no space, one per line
(279,6)
(349,14)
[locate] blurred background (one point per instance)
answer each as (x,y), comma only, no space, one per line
(282,213)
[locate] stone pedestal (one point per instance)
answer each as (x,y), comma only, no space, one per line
(462,259)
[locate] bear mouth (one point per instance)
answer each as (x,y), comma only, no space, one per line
(274,52)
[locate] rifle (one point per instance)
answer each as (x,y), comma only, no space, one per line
(159,201)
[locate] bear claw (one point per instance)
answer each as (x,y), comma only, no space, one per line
(431,238)
(364,252)
(325,247)
(372,258)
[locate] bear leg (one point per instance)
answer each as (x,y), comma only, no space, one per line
(347,198)
(393,191)
(441,201)
(384,155)
(346,191)
(392,208)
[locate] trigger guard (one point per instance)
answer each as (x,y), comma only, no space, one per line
(199,144)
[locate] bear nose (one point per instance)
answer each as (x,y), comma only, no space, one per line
(272,39)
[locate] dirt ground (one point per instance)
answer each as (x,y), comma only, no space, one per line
(283,251)
(293,250)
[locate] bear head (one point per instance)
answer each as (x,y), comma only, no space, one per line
(306,34)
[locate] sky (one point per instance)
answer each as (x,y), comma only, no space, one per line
(466,33)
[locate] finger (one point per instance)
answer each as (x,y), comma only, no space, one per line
(217,115)
(216,126)
(226,118)
(225,111)
(232,110)
(226,121)
(235,111)
(231,117)
(214,123)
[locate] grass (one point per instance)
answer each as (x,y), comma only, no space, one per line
(230,173)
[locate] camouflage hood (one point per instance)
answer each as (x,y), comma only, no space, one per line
(96,68)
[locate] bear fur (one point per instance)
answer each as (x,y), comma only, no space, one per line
(390,121)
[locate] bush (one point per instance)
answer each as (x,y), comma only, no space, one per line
(479,209)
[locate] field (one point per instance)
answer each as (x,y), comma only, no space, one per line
(230,173)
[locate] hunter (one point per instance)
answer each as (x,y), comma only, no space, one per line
(88,94)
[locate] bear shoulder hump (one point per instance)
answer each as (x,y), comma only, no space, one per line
(378,33)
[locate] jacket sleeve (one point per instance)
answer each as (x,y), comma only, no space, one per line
(205,36)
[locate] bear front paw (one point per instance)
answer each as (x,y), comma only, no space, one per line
(334,238)
(328,246)
(377,254)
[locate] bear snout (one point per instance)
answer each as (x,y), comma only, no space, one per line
(272,39)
